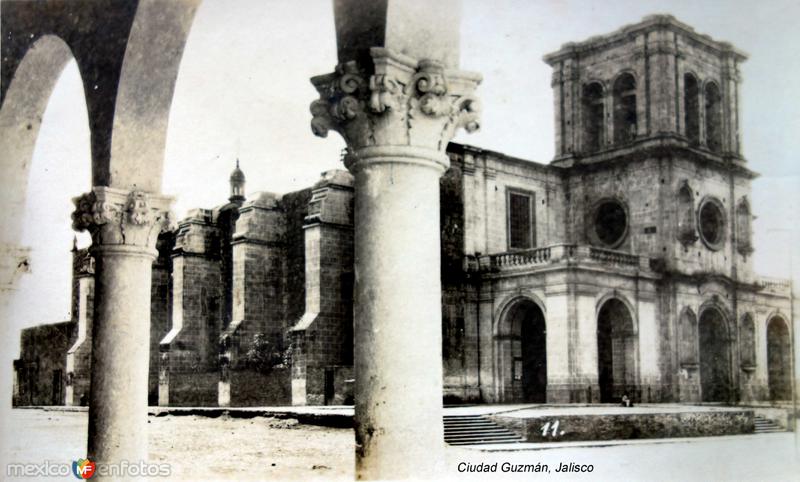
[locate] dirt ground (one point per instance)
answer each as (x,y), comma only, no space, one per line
(261,448)
(199,448)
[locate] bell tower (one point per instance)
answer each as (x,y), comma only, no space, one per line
(653,80)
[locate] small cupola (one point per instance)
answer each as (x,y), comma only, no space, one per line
(237,185)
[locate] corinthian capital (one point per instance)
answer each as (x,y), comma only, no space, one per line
(395,101)
(118,217)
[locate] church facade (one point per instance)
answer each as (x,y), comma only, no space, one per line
(624,266)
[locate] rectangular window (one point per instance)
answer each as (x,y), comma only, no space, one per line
(520,221)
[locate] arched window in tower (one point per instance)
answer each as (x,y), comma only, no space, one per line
(624,109)
(691,108)
(686,219)
(744,231)
(593,117)
(713,118)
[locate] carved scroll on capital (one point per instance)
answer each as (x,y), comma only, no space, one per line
(118,217)
(396,101)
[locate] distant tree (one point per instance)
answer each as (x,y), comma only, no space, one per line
(264,355)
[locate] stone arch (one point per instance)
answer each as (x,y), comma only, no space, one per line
(779,358)
(21,115)
(508,303)
(624,108)
(521,351)
(691,107)
(617,346)
(713,116)
(128,67)
(144,96)
(616,295)
(593,101)
(716,382)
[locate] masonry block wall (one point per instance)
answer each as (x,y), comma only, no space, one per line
(79,354)
(258,319)
(42,366)
(188,358)
(323,336)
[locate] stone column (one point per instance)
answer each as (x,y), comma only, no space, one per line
(124,227)
(397,115)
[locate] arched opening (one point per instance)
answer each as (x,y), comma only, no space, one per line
(616,351)
(686,219)
(779,360)
(715,375)
(744,231)
(524,349)
(44,140)
(713,118)
(624,109)
(691,108)
(61,161)
(593,117)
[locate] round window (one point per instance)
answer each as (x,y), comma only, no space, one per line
(711,220)
(610,222)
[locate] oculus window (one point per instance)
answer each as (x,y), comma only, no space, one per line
(711,223)
(610,223)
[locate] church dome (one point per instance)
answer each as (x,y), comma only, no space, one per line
(237,175)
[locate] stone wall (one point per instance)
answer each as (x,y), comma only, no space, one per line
(626,426)
(41,368)
(322,339)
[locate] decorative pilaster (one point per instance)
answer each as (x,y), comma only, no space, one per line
(397,116)
(124,227)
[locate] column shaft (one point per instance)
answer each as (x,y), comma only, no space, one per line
(120,355)
(398,315)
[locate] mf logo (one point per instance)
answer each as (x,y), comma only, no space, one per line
(83,468)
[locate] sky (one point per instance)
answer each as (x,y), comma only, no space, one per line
(243,92)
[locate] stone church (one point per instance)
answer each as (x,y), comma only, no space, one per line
(622,266)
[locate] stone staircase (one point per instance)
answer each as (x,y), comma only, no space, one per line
(764,425)
(476,430)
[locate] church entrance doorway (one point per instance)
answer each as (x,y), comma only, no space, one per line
(525,343)
(715,376)
(779,360)
(616,351)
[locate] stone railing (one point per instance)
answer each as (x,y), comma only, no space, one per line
(613,257)
(513,260)
(774,285)
(519,258)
